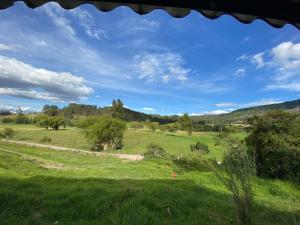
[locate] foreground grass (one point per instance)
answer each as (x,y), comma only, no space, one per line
(135,141)
(41,186)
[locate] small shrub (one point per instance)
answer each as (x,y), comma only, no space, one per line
(192,162)
(199,147)
(8,133)
(7,120)
(155,151)
(236,172)
(22,119)
(45,140)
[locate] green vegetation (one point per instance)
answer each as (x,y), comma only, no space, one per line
(199,147)
(41,186)
(274,141)
(155,151)
(106,132)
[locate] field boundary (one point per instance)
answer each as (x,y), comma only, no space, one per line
(79,151)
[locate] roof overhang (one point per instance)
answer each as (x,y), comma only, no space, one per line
(275,12)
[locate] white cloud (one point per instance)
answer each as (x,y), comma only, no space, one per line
(87,22)
(258,60)
(242,57)
(13,108)
(213,112)
(5,47)
(225,104)
(22,80)
(134,25)
(149,109)
(161,67)
(284,59)
(241,72)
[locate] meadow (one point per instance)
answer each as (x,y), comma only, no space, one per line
(135,141)
(42,186)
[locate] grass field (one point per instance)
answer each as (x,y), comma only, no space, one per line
(135,141)
(42,186)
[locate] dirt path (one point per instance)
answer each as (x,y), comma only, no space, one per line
(59,148)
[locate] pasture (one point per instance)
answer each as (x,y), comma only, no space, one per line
(42,186)
(135,141)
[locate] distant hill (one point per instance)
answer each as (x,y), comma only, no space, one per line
(243,114)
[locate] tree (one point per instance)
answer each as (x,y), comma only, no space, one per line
(106,131)
(55,122)
(42,121)
(274,141)
(186,123)
(236,172)
(50,110)
(117,109)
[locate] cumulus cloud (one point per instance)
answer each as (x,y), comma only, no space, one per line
(19,79)
(241,72)
(149,109)
(225,104)
(161,67)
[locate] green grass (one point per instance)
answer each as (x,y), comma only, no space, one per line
(135,141)
(42,186)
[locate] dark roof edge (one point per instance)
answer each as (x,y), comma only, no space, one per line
(276,13)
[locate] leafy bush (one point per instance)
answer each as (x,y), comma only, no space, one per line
(45,140)
(274,140)
(7,120)
(155,151)
(42,121)
(192,162)
(236,172)
(7,133)
(199,147)
(22,119)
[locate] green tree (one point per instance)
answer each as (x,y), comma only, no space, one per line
(274,141)
(42,121)
(106,131)
(117,109)
(50,110)
(186,123)
(55,122)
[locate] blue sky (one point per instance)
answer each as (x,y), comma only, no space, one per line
(155,63)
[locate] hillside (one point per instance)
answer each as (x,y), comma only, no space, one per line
(242,114)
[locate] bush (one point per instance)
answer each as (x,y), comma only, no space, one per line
(45,140)
(199,147)
(192,162)
(7,133)
(22,119)
(136,125)
(7,120)
(236,172)
(155,151)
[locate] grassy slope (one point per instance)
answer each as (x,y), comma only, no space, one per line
(135,141)
(41,186)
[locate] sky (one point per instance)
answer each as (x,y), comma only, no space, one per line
(155,63)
